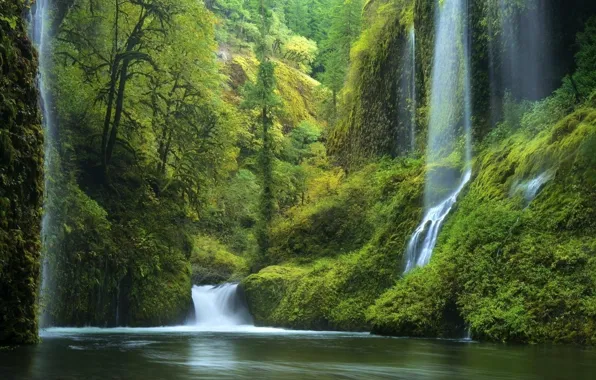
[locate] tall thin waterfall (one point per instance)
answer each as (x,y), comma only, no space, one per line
(219,306)
(450,121)
(526,53)
(407,92)
(39,34)
(409,84)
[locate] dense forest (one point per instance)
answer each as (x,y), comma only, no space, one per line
(406,167)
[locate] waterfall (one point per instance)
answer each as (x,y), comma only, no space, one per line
(418,253)
(520,54)
(220,306)
(413,105)
(407,87)
(39,28)
(526,54)
(532,187)
(450,118)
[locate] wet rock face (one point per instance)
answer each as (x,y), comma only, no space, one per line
(21,179)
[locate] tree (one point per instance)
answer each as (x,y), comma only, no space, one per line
(117,43)
(301,52)
(297,16)
(346,24)
(261,97)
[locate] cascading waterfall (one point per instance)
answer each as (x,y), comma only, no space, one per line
(450,107)
(219,306)
(39,34)
(424,239)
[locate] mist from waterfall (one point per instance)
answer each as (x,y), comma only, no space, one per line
(450,124)
(39,29)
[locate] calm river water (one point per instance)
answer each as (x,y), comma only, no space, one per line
(262,353)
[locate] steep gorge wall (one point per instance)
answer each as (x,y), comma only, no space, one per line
(21,182)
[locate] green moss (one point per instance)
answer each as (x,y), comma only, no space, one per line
(369,126)
(330,277)
(21,183)
(213,263)
(508,270)
(162,297)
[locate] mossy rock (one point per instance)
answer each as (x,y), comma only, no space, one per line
(322,285)
(212,263)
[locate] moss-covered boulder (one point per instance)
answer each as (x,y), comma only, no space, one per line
(21,182)
(326,279)
(162,297)
(213,263)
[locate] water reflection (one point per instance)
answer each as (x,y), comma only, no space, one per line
(187,354)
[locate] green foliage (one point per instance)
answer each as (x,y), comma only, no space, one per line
(339,253)
(301,52)
(345,27)
(368,116)
(261,97)
(213,263)
(121,245)
(586,65)
(21,183)
(511,272)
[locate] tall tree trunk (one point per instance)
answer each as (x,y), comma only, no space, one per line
(118,111)
(166,153)
(108,117)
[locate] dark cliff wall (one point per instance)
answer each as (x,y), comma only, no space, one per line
(21,181)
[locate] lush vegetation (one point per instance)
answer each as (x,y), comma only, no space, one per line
(506,267)
(263,142)
(21,183)
(184,130)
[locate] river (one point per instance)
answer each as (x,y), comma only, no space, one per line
(245,352)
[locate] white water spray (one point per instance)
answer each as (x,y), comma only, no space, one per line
(451,106)
(220,307)
(39,29)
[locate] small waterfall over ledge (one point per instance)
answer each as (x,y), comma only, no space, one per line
(450,121)
(219,307)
